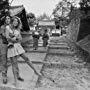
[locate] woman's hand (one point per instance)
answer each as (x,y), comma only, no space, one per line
(11,35)
(19,38)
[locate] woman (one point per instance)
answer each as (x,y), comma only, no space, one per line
(45,39)
(17,49)
(3,47)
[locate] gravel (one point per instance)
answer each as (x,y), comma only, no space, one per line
(63,77)
(67,74)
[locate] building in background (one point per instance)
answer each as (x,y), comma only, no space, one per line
(46,24)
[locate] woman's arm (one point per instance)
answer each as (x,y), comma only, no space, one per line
(8,36)
(19,37)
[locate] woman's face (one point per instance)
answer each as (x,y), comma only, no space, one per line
(15,22)
(7,20)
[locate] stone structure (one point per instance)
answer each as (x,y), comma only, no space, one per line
(78,34)
(73,29)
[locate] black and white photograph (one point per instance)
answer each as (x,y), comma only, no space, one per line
(44,44)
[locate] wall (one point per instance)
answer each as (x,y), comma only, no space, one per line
(73,29)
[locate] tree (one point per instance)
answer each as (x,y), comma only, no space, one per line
(85,5)
(43,16)
(4,7)
(4,4)
(31,19)
(62,11)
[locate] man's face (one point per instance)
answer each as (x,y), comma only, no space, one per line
(7,21)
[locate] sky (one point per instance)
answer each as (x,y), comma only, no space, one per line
(37,7)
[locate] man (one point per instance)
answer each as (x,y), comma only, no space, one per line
(45,38)
(35,36)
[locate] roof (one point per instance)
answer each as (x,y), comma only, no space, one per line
(46,23)
(14,10)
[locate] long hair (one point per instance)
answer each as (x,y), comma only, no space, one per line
(19,26)
(4,19)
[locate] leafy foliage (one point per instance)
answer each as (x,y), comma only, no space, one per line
(43,16)
(4,6)
(65,11)
(85,5)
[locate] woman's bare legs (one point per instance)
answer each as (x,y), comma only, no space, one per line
(15,69)
(30,63)
(4,72)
